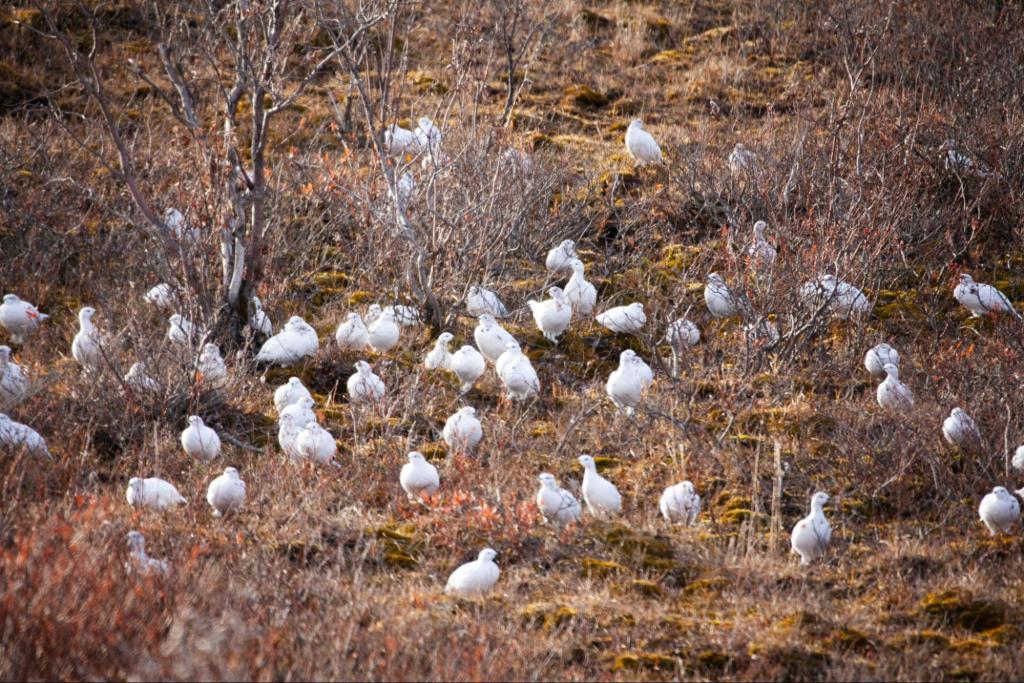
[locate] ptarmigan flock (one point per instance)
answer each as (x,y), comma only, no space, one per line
(302,438)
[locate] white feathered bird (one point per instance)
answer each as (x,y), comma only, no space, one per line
(317,444)
(812,535)
(558,257)
(211,366)
(680,503)
(19,436)
(291,345)
(364,386)
(516,372)
(86,347)
(641,145)
(440,357)
(474,579)
(624,319)
(999,510)
(877,357)
(259,321)
(200,441)
(289,393)
(580,293)
(383,333)
(626,384)
(13,379)
(491,338)
(892,393)
(462,430)
(558,506)
(418,477)
(140,561)
(552,315)
(226,493)
(980,298)
(481,301)
(352,333)
(960,430)
(20,318)
(154,493)
(468,365)
(602,498)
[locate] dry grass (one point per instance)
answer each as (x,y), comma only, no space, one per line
(332,573)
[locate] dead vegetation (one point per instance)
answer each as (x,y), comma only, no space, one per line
(333,574)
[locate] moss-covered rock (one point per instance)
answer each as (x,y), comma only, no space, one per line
(958,607)
(593,568)
(547,616)
(640,661)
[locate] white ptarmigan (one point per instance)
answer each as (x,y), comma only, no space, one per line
(418,477)
(552,315)
(641,145)
(720,299)
(86,347)
(558,258)
(581,294)
(681,335)
(1018,459)
(468,365)
(299,412)
(161,296)
(154,493)
(602,498)
(491,338)
(623,319)
(259,321)
(18,436)
(626,384)
(317,444)
(405,316)
(226,493)
(138,379)
(428,138)
(181,229)
(211,367)
(289,426)
(13,380)
(877,357)
(289,393)
(384,332)
(558,506)
(352,333)
(400,141)
(839,298)
(181,330)
(999,510)
(140,561)
(680,503)
(960,430)
(439,357)
(462,431)
(364,386)
(517,374)
(812,534)
(481,301)
(741,160)
(761,253)
(474,579)
(20,318)
(199,441)
(291,345)
(892,393)
(980,298)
